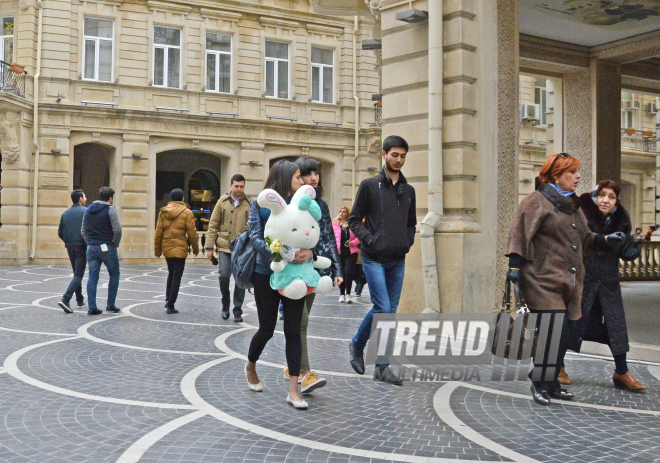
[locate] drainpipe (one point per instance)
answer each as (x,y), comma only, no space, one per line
(435,198)
(357,104)
(35,133)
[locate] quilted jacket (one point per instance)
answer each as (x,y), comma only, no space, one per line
(175,230)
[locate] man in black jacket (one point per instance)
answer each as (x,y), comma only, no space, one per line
(70,232)
(387,203)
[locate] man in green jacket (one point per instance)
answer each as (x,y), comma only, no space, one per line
(229,219)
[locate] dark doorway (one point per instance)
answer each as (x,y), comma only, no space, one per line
(91,168)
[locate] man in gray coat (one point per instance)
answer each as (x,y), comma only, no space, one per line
(70,232)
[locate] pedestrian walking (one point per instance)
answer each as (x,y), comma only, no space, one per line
(70,232)
(638,236)
(387,202)
(549,237)
(285,179)
(327,247)
(175,234)
(347,244)
(102,233)
(229,219)
(603,315)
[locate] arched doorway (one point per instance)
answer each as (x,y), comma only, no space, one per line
(92,168)
(198,174)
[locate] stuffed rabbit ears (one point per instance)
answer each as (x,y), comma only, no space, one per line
(270,199)
(305,190)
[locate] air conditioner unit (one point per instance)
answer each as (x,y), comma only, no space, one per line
(637,104)
(530,112)
(652,108)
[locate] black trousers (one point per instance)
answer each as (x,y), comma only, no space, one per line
(175,266)
(268,301)
(348,264)
(546,366)
(78,258)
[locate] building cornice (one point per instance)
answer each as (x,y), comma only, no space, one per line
(213,13)
(540,49)
(636,48)
(175,8)
(266,21)
(325,30)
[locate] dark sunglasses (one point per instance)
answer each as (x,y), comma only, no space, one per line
(560,155)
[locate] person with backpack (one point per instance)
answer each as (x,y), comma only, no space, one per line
(228,221)
(285,179)
(175,231)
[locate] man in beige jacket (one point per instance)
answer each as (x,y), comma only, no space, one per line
(229,219)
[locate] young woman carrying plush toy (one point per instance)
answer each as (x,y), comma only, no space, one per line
(285,179)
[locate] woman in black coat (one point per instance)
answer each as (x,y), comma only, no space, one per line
(604,319)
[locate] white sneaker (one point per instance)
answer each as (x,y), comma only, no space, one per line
(301,405)
(348,299)
(342,298)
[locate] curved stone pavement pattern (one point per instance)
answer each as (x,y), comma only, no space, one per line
(143,386)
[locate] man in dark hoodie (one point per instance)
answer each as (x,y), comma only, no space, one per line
(102,232)
(388,204)
(70,232)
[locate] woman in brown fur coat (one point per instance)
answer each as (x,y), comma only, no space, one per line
(548,239)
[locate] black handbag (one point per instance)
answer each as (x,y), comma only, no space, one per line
(514,331)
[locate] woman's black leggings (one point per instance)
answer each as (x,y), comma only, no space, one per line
(546,365)
(268,300)
(348,269)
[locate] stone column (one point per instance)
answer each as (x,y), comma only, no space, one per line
(578,113)
(255,176)
(54,192)
(606,94)
(15,214)
(136,221)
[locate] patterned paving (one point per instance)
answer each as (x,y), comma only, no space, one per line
(149,387)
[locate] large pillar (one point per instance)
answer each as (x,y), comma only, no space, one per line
(466,237)
(606,95)
(134,207)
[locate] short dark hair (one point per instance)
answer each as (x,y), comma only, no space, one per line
(76,195)
(307,166)
(280,177)
(105,193)
(237,178)
(611,184)
(176,194)
(394,141)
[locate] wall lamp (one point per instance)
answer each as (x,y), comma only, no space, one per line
(255,164)
(136,155)
(412,16)
(56,151)
(59,97)
(372,169)
(529,142)
(526,180)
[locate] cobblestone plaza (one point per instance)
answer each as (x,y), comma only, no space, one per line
(149,387)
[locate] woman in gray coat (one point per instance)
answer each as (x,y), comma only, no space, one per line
(548,239)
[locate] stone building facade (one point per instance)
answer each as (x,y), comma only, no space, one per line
(149,95)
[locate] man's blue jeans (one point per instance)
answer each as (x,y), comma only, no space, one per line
(385,282)
(110,258)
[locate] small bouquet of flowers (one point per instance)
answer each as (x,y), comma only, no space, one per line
(280,251)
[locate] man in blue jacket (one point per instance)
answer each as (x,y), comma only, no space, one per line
(70,232)
(102,232)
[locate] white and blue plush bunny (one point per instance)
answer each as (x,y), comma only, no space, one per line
(296,225)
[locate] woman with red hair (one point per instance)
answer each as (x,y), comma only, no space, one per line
(548,239)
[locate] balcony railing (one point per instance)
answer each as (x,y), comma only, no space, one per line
(646,267)
(11,81)
(638,140)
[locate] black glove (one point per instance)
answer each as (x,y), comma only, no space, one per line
(513,275)
(615,237)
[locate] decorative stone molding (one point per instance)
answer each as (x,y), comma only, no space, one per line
(267,21)
(220,14)
(167,6)
(547,50)
(56,181)
(374,7)
(628,50)
(304,151)
(9,145)
(324,30)
(195,144)
(96,137)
